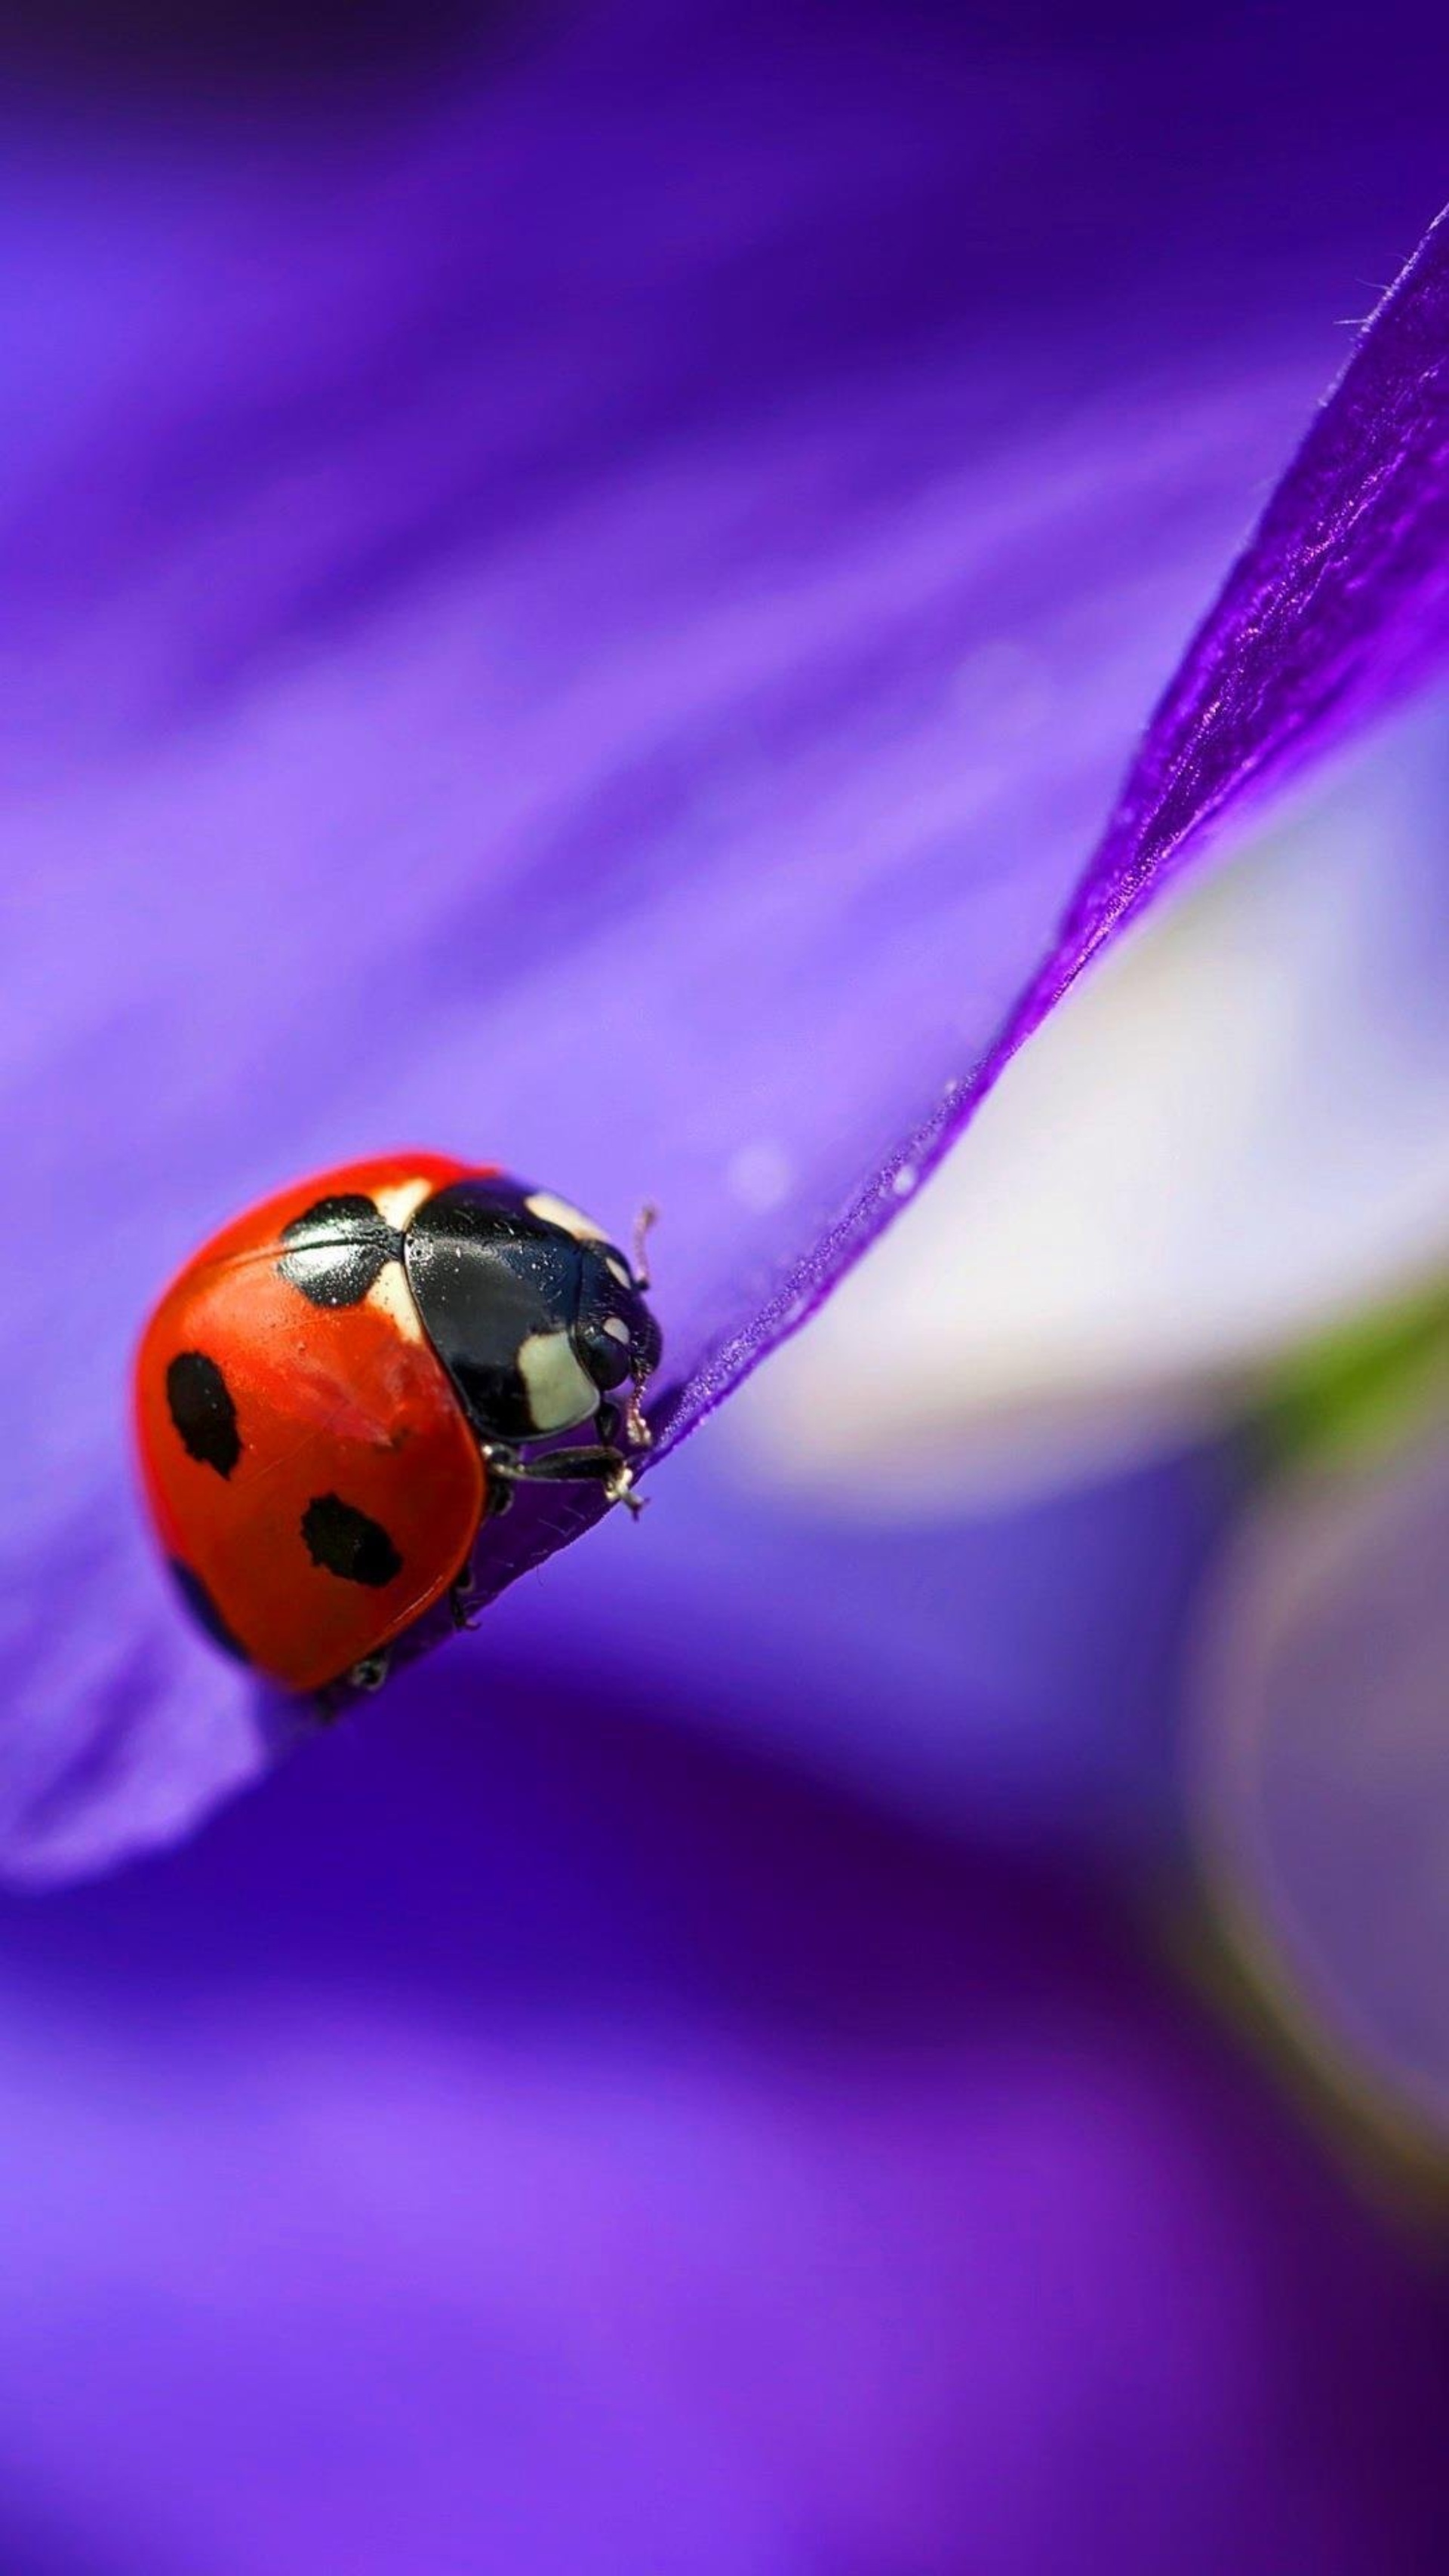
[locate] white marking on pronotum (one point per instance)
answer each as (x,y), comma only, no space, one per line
(398,1204)
(616,1270)
(615,1326)
(559,1393)
(558,1212)
(391,1293)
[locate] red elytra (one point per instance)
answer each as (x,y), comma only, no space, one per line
(326,1401)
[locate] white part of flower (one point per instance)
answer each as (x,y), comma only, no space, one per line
(1234,1132)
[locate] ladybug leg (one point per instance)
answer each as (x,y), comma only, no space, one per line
(606,1466)
(460,1598)
(370,1674)
(618,1480)
(620,1489)
(611,1420)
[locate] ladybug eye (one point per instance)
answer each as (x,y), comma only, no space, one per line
(617,1336)
(606,1348)
(337,1248)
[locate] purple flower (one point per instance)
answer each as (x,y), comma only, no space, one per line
(588,604)
(590,617)
(552,2143)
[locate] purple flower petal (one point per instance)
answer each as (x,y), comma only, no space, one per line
(1067,1293)
(1015,1671)
(1339,605)
(553,2145)
(592,623)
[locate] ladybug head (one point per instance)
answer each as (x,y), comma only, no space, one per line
(536,1315)
(615,1335)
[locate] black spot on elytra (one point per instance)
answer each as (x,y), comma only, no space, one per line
(337,1248)
(201,1407)
(345,1542)
(205,1612)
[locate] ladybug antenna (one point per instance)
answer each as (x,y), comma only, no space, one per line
(644,1223)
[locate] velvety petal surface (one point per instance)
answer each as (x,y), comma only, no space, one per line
(590,615)
(1012,1672)
(545,2144)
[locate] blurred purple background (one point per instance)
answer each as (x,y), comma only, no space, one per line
(578,585)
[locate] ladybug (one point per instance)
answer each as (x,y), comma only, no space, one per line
(343,1386)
